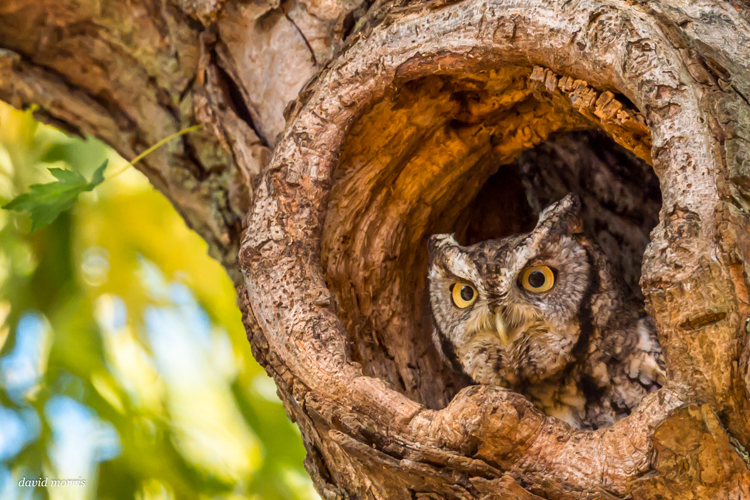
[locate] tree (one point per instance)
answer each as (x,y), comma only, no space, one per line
(409,111)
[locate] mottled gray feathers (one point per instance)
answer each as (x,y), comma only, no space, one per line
(578,350)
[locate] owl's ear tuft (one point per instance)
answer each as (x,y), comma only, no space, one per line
(562,217)
(437,243)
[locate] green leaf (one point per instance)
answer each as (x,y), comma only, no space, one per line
(98,176)
(46,201)
(66,176)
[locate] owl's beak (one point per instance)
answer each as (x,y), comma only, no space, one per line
(500,328)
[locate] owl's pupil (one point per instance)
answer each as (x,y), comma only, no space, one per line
(536,279)
(467,293)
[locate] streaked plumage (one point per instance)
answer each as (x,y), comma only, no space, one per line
(578,350)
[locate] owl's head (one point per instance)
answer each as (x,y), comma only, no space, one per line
(510,310)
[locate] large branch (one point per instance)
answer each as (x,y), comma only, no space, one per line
(132,73)
(364,172)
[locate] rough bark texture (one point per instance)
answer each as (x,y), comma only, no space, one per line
(132,73)
(424,117)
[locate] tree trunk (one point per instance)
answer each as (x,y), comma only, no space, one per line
(425,117)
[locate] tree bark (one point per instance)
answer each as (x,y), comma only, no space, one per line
(425,117)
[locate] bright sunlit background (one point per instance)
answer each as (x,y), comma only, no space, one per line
(123,360)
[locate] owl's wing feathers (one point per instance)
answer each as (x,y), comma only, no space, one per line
(645,363)
(624,358)
(637,371)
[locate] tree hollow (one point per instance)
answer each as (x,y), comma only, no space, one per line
(408,133)
(478,156)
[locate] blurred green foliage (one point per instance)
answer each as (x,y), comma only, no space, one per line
(123,360)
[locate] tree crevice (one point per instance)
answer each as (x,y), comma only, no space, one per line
(304,39)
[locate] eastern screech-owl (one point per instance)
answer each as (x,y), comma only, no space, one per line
(543,314)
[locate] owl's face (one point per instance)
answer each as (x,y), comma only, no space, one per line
(511,310)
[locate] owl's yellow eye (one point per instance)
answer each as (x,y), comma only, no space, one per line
(538,279)
(463,295)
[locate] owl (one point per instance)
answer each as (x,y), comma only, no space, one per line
(544,315)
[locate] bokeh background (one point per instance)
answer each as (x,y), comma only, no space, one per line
(123,360)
